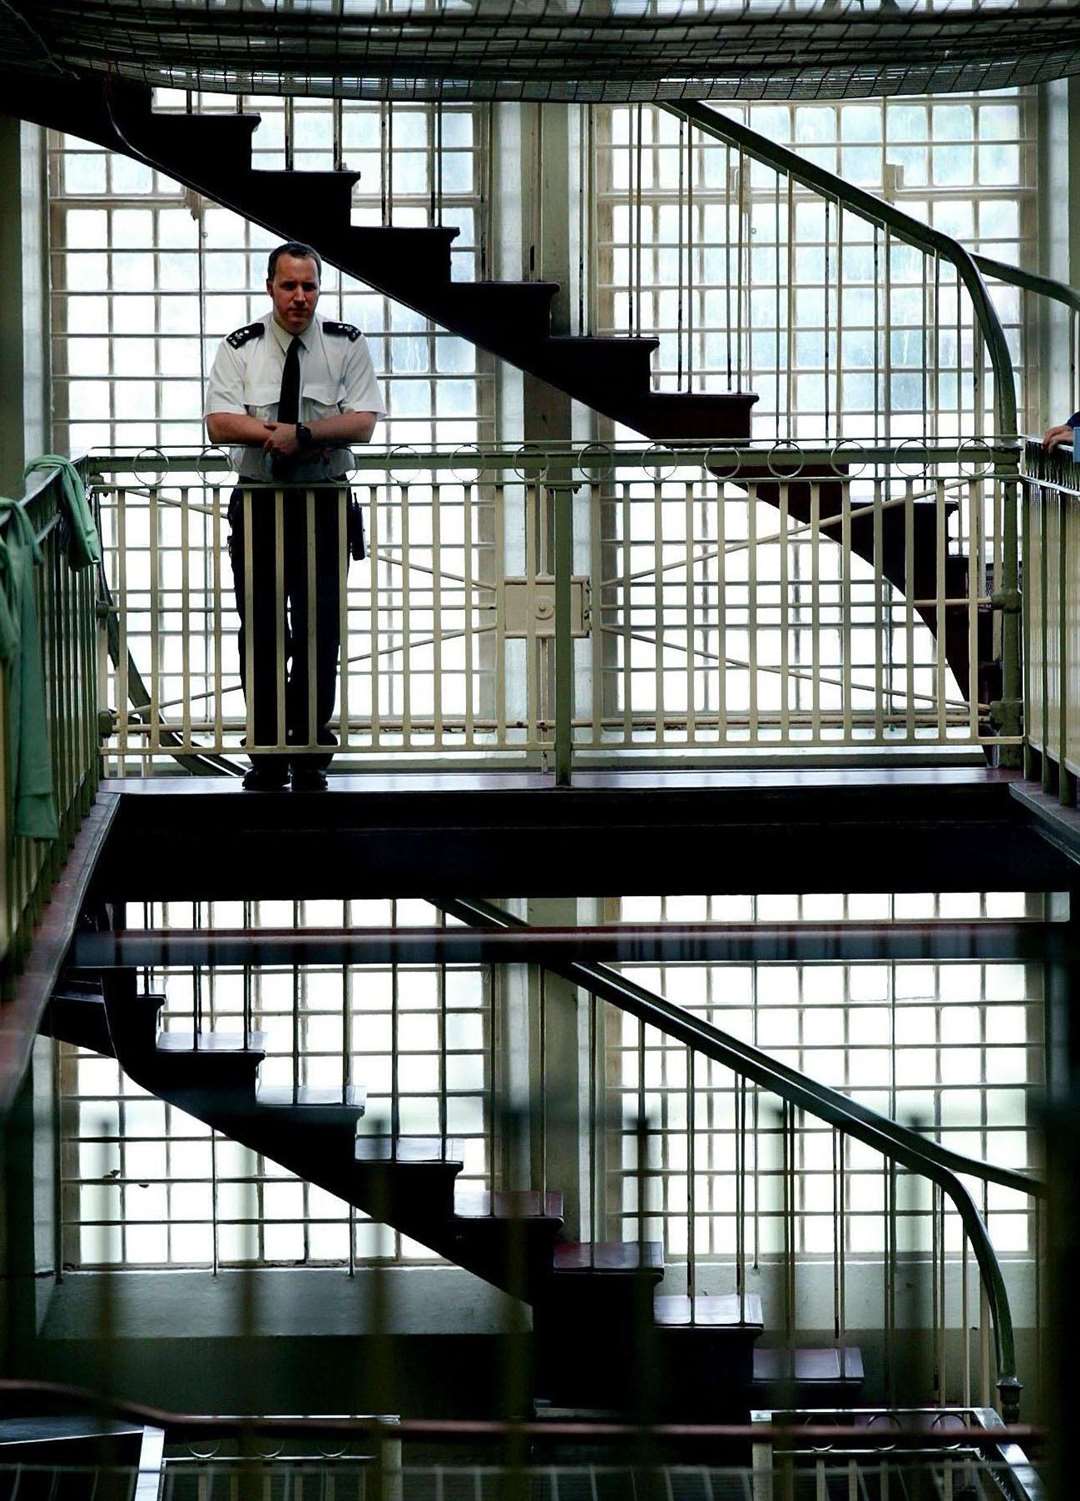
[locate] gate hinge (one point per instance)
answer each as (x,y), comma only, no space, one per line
(1006,600)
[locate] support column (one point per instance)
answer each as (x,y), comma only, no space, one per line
(24,411)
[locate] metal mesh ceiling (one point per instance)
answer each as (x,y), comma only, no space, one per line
(574,50)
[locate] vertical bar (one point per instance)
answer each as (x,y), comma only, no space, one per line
(312,623)
(658,606)
(975,576)
(185,614)
(471,607)
(563,497)
(846,671)
(406,617)
(941,608)
(438,728)
(691,611)
(785,618)
(155,622)
(881,646)
(215,606)
(815,612)
(909,605)
(752,628)
(374,525)
(691,1180)
(344,501)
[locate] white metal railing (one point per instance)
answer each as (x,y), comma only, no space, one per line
(1051,538)
(592,603)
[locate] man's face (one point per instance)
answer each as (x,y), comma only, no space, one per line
(294,291)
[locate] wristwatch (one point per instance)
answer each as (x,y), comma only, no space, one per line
(303,435)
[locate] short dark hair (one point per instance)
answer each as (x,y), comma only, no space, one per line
(298,250)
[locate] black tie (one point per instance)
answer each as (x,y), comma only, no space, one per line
(288,409)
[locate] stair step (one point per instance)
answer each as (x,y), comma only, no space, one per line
(498,314)
(288,200)
(416,261)
(79,1019)
(405,1150)
(810,1367)
(522,1204)
(710,1310)
(600,368)
(692,416)
(574,1258)
(224,1045)
(352,1097)
(191,145)
(317,1106)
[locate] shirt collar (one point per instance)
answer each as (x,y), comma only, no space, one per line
(284,338)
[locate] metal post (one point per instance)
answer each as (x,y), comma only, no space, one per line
(563,496)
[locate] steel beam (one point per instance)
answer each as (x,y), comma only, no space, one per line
(668,943)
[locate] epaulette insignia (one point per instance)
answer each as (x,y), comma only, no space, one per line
(239,337)
(342,330)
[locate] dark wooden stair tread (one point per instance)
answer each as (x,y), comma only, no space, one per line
(284,1097)
(809,1367)
(211,1044)
(514,1204)
(405,1150)
(711,1310)
(609,1256)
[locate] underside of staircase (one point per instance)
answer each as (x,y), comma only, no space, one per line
(604,1337)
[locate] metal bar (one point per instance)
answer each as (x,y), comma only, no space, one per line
(986,941)
(563,497)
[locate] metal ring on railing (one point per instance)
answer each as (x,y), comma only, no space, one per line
(466,449)
(531,463)
(712,467)
(985,452)
(406,478)
(196,1451)
(781,446)
(648,462)
(270,1451)
(208,452)
(922,463)
(151,484)
(842,466)
(604,471)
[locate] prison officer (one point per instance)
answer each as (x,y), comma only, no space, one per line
(292,393)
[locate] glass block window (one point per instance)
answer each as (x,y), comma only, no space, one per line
(755,283)
(147,1185)
(148,277)
(953,1050)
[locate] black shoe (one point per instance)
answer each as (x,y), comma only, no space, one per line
(308,779)
(266,779)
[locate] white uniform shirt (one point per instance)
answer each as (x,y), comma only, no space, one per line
(336,375)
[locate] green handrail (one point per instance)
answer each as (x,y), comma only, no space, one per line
(896,1142)
(874,209)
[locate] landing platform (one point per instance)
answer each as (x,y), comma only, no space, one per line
(614,832)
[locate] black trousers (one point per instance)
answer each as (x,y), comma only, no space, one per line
(301,618)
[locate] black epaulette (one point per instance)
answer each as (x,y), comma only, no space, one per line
(239,337)
(342,331)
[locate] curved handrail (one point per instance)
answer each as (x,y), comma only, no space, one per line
(1029,281)
(867,206)
(879,1132)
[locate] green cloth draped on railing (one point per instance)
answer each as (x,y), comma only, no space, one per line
(84,547)
(20,648)
(20,644)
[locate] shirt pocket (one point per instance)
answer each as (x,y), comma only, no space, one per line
(323,397)
(261,394)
